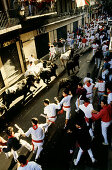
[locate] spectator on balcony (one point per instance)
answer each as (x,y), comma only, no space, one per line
(32,7)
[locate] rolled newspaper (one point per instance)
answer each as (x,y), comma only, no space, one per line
(20,130)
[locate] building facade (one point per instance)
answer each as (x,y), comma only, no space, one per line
(33,35)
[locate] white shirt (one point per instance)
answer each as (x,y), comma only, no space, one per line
(50,110)
(31,166)
(104,48)
(108,31)
(87,110)
(97,35)
(66,101)
(52,50)
(100,86)
(89,89)
(110,62)
(109,98)
(78,37)
(37,134)
(92,38)
(101,37)
(94,46)
(31,59)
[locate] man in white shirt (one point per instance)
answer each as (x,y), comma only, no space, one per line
(109,97)
(95,47)
(100,85)
(87,109)
(32,59)
(105,49)
(50,111)
(66,104)
(89,87)
(101,38)
(92,38)
(23,164)
(37,135)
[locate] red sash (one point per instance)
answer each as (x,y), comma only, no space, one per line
(36,141)
(61,111)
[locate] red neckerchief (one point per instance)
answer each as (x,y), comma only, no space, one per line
(88,84)
(35,127)
(100,81)
(65,95)
(12,136)
(86,104)
(25,164)
(109,92)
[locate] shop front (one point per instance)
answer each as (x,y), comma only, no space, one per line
(62,32)
(75,28)
(42,45)
(10,63)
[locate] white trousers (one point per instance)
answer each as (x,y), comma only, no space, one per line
(38,147)
(104,73)
(80,102)
(104,127)
(90,131)
(52,56)
(94,51)
(83,45)
(67,110)
(80,154)
(90,97)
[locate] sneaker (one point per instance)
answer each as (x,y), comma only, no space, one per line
(105,144)
(75,162)
(93,160)
(71,151)
(92,137)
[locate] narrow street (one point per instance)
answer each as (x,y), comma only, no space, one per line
(55,150)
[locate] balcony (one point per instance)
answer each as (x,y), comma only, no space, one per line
(25,11)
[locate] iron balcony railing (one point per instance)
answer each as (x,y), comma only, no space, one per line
(13,16)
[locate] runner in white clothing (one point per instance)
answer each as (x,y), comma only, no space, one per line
(89,87)
(23,164)
(87,108)
(105,49)
(50,111)
(94,46)
(100,85)
(109,97)
(66,104)
(37,135)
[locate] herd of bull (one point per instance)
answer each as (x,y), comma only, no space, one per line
(44,71)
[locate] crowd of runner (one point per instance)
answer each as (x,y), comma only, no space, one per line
(96,35)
